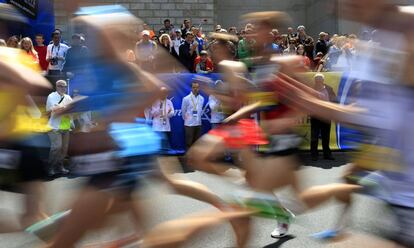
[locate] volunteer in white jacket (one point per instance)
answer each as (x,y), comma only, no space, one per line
(161,111)
(191,111)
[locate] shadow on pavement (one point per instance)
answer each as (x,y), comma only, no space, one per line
(280,242)
(341,158)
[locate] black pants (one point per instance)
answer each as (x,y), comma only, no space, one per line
(166,141)
(324,129)
(191,135)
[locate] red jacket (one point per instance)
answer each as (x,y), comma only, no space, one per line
(41,52)
(209,63)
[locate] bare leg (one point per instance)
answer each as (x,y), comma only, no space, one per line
(33,204)
(268,174)
(241,226)
(89,211)
(205,151)
(318,195)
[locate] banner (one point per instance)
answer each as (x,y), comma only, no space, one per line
(41,18)
(28,7)
(180,85)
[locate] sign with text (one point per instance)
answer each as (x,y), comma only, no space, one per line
(27,7)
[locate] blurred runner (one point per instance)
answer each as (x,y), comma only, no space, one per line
(21,166)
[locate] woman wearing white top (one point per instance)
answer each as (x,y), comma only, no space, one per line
(161,112)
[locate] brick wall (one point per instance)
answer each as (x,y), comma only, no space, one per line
(153,12)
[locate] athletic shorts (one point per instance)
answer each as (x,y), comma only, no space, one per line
(244,133)
(21,162)
(282,145)
(108,172)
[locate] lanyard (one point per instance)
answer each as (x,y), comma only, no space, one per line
(58,49)
(194,104)
(164,110)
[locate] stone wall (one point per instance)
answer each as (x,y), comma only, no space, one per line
(316,15)
(153,12)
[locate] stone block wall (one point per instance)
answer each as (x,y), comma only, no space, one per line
(316,15)
(153,12)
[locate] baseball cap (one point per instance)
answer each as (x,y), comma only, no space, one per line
(145,32)
(203,52)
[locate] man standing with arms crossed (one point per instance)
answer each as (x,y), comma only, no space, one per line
(191,109)
(322,127)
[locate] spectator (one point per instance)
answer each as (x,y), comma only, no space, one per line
(278,44)
(61,125)
(245,49)
(309,47)
(349,49)
(319,127)
(77,56)
(161,111)
(176,43)
(233,31)
(275,32)
(145,51)
(186,27)
(156,40)
(291,35)
(165,42)
(335,51)
(151,32)
(203,63)
(56,54)
(167,29)
(301,36)
(13,42)
(26,45)
(57,30)
(218,28)
(300,50)
(318,62)
(3,43)
(321,45)
(199,39)
(41,50)
(191,111)
(284,41)
(188,52)
(291,49)
(270,45)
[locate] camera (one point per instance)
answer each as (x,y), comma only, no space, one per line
(54,61)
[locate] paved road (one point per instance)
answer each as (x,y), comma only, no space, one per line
(368,215)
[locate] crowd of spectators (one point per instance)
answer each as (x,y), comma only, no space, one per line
(198,52)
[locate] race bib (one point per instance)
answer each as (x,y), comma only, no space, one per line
(95,163)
